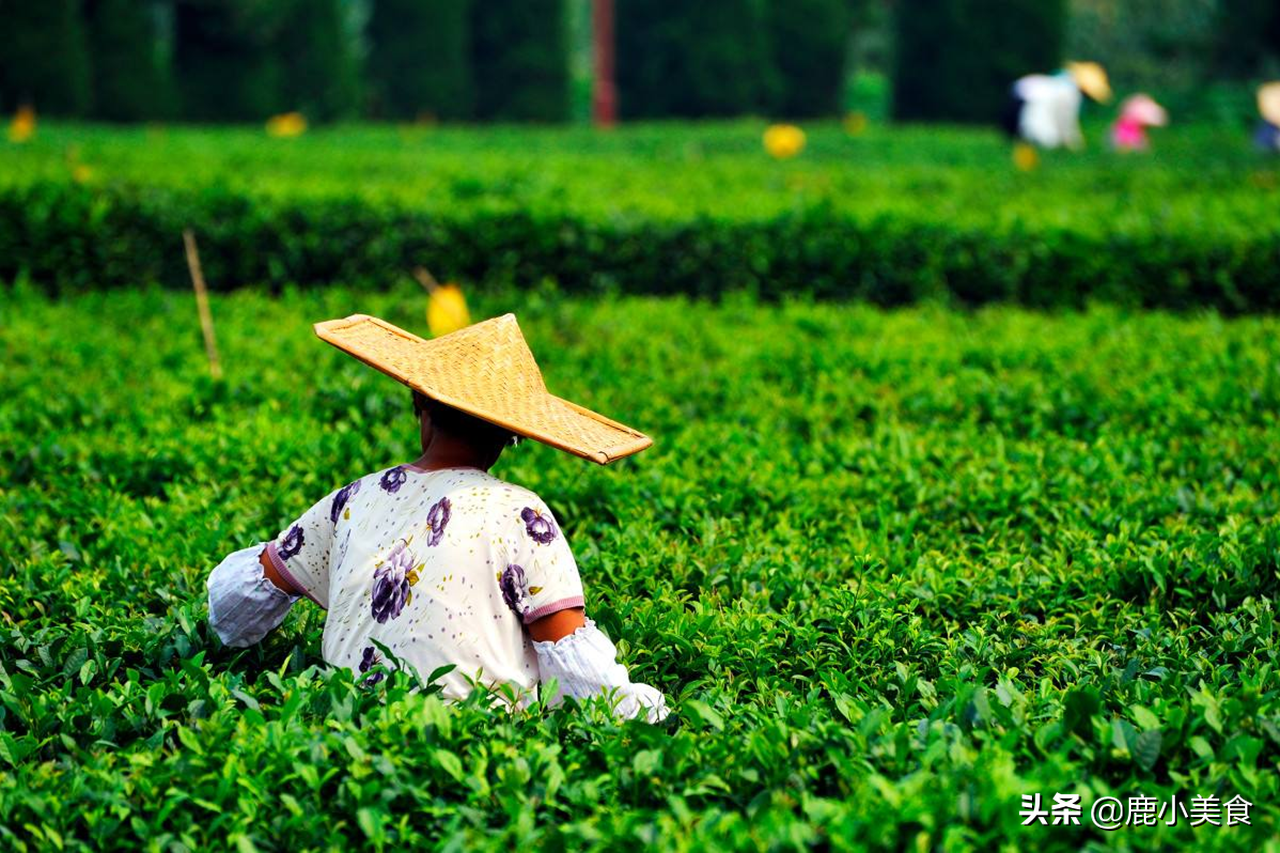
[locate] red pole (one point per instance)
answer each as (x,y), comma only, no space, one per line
(604,95)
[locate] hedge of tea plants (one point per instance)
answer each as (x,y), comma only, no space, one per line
(894,570)
(889,216)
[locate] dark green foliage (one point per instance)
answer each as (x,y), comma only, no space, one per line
(126,235)
(1162,45)
(956,59)
(420,59)
(650,57)
(520,59)
(318,74)
(44,57)
(893,570)
(708,58)
(225,58)
(1248,38)
(894,215)
(809,39)
(130,82)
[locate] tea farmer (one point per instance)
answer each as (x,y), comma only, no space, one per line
(1266,136)
(1137,113)
(1044,109)
(437,560)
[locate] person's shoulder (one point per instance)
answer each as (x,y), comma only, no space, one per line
(510,502)
(520,511)
(495,489)
(389,479)
(511,494)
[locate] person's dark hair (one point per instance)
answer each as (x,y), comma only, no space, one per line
(461,425)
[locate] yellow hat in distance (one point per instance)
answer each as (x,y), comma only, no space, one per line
(1269,101)
(1092,80)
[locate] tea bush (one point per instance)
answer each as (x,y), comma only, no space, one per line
(894,569)
(890,216)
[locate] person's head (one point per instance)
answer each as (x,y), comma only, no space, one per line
(447,431)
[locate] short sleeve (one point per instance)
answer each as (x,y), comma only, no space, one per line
(539,576)
(301,552)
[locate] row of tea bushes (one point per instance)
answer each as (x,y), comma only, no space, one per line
(67,237)
(892,216)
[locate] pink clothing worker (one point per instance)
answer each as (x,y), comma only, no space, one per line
(1137,113)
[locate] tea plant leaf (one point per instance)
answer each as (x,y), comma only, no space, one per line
(1146,749)
(450,763)
(705,713)
(1078,708)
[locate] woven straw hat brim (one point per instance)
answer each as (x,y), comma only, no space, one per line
(485,370)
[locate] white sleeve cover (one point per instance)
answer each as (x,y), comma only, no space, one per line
(243,605)
(585,665)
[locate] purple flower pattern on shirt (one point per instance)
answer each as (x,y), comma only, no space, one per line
(340,500)
(539,527)
(391,582)
(393,479)
(437,520)
(292,543)
(515,589)
(368,660)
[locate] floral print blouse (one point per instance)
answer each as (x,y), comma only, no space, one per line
(440,567)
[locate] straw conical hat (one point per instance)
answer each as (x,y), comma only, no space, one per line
(1092,80)
(1269,102)
(485,370)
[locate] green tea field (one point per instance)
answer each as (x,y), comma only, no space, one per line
(889,216)
(894,568)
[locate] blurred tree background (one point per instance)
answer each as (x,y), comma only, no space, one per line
(520,58)
(225,63)
(1194,52)
(1248,42)
(530,60)
(809,49)
(44,55)
(956,59)
(692,59)
(403,84)
(130,80)
(315,44)
(1154,44)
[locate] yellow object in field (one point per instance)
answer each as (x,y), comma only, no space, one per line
(1025,157)
(855,123)
(287,125)
(783,141)
(447,310)
(23,125)
(81,174)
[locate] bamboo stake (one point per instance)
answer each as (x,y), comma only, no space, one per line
(426,279)
(202,303)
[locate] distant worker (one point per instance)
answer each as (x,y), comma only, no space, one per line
(1044,109)
(1137,113)
(1267,134)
